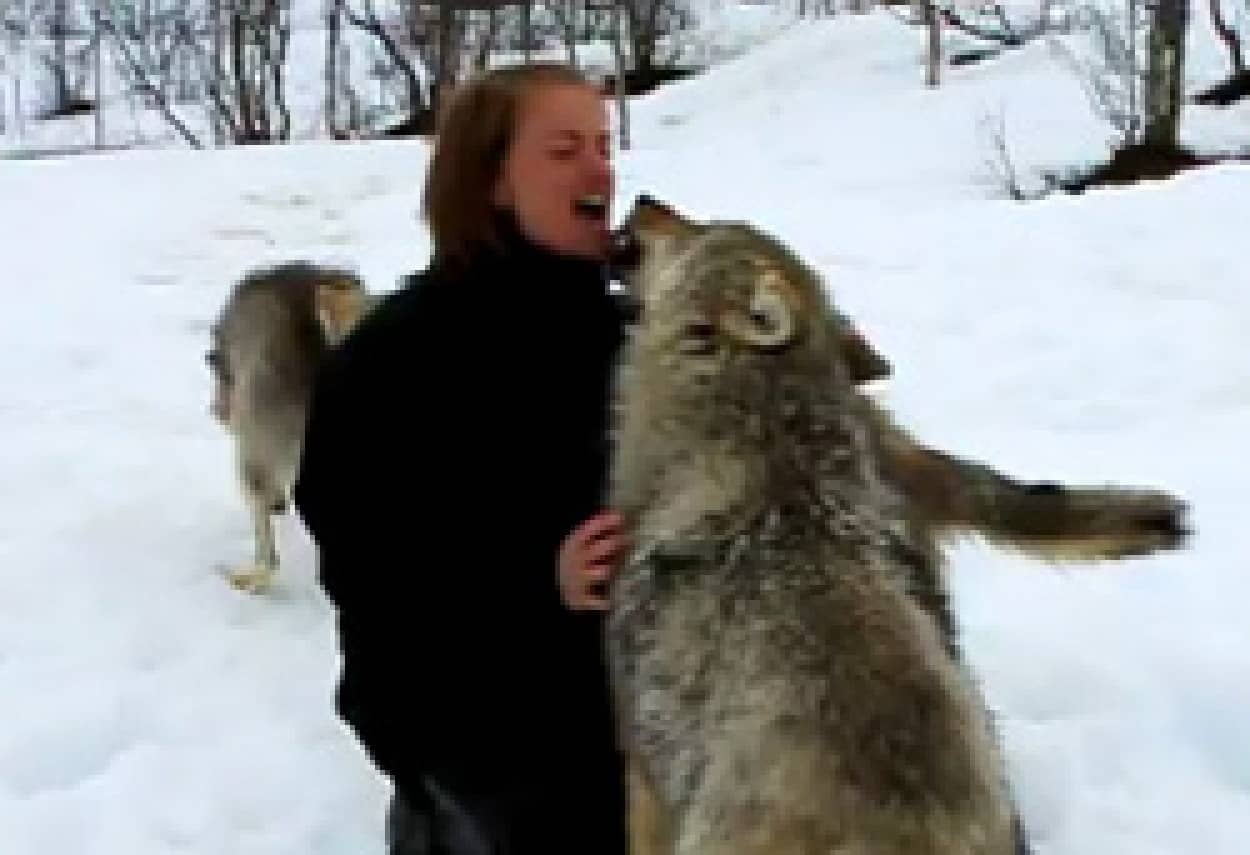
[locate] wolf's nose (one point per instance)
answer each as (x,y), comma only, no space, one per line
(629,307)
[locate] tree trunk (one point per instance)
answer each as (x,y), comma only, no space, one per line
(526,28)
(488,40)
(622,103)
(446,43)
(98,29)
(60,69)
(933,24)
(1165,72)
(242,84)
(279,27)
(218,71)
(334,24)
(570,31)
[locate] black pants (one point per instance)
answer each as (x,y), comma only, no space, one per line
(434,822)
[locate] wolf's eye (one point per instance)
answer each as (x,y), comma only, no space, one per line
(762,319)
(700,329)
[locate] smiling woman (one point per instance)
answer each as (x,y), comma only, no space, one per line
(454,462)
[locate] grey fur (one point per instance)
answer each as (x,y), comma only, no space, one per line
(781,690)
(268,341)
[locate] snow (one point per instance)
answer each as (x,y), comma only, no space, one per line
(149,708)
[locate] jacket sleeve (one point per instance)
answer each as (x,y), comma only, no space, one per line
(363,521)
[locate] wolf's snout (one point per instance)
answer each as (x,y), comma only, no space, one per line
(625,253)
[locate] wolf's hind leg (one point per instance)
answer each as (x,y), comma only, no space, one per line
(263,501)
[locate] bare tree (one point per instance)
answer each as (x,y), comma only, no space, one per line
(1139,92)
(622,102)
(486,35)
(933,53)
(259,34)
(649,21)
(334,40)
(142,77)
(1165,73)
(565,13)
(1109,69)
(58,67)
(228,56)
(392,39)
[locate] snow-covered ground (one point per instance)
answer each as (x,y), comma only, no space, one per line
(149,708)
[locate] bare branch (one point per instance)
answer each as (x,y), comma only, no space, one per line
(1004,34)
(1228,36)
(212,80)
(141,75)
(370,23)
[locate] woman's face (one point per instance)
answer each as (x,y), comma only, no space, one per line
(557,176)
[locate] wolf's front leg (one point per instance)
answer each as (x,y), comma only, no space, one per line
(1051,521)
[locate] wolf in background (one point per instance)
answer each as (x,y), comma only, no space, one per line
(267,344)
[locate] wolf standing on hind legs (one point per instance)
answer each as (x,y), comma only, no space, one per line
(267,344)
(782,688)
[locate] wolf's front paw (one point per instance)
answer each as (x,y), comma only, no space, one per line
(1139,522)
(253,578)
(1159,519)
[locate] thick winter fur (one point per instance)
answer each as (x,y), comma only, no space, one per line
(947,496)
(267,345)
(779,640)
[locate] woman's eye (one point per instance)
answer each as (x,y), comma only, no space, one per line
(564,153)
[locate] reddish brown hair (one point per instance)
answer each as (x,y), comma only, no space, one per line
(475,130)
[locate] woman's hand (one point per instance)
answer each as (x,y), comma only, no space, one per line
(587,558)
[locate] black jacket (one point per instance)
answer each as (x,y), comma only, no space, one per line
(455,438)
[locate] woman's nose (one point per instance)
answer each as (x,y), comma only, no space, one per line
(599,164)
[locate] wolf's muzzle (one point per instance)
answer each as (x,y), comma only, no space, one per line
(624,257)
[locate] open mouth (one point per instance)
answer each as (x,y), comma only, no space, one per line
(592,206)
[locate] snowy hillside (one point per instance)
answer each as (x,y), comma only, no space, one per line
(151,709)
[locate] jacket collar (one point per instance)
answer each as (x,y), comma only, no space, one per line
(520,250)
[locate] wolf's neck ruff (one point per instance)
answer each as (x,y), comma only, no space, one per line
(796,446)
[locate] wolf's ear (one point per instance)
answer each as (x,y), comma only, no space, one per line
(339,306)
(863,360)
(771,319)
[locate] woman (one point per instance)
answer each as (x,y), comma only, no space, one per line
(453,469)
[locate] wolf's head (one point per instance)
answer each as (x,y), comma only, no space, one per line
(739,383)
(727,313)
(655,235)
